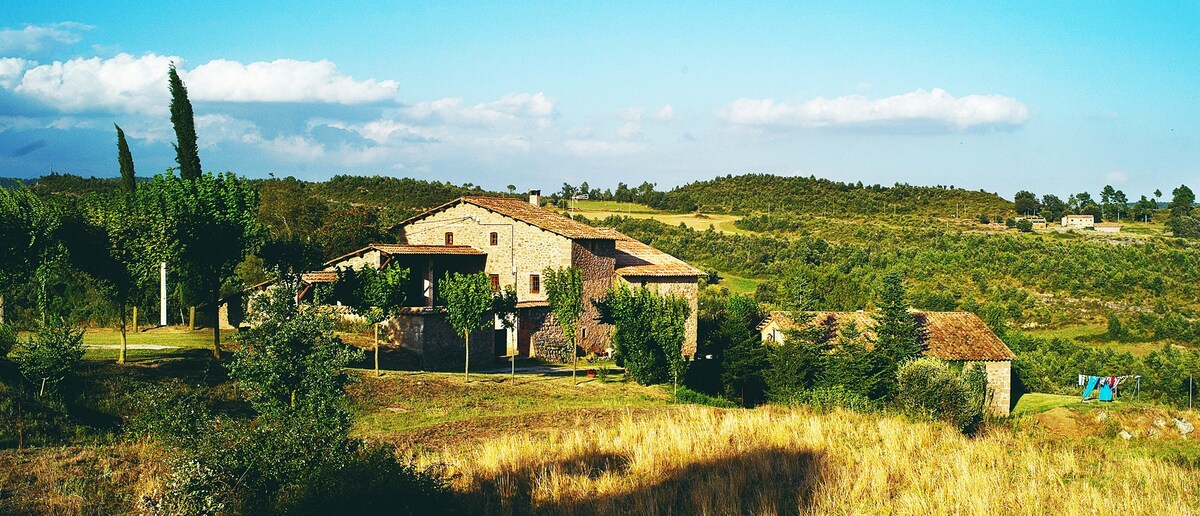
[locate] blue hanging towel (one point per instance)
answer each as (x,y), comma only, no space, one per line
(1106,391)
(1090,386)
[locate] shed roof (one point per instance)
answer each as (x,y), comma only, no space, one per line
(439,250)
(636,259)
(523,211)
(947,335)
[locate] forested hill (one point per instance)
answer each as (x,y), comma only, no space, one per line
(761,192)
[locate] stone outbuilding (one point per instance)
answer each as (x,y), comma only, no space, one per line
(958,337)
(1078,221)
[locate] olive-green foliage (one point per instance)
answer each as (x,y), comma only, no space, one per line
(930,388)
(468,298)
(125,161)
(648,331)
(898,338)
(947,269)
(52,356)
(564,291)
(763,192)
(795,364)
(375,294)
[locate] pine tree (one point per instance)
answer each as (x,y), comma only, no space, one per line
(125,158)
(896,333)
(186,153)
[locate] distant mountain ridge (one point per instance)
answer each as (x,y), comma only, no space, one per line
(750,193)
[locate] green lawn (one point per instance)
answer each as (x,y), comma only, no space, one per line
(613,206)
(1036,403)
(176,342)
(1096,335)
(738,284)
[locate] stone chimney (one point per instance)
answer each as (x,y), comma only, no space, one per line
(535,197)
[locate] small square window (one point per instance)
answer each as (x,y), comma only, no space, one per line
(535,284)
(495,239)
(495,279)
(449,238)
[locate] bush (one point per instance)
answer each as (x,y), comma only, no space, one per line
(686,395)
(825,399)
(8,339)
(929,388)
(52,356)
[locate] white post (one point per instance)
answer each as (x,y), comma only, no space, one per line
(162,295)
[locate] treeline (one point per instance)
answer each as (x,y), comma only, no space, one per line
(751,193)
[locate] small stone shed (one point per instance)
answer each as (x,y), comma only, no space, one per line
(959,337)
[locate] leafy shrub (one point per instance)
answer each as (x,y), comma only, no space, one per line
(8,339)
(686,395)
(825,399)
(929,388)
(51,356)
(648,333)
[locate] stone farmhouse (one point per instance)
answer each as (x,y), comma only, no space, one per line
(959,337)
(513,241)
(1078,221)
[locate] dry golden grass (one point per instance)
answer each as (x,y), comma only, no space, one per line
(699,460)
(79,479)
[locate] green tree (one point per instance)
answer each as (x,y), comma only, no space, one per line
(29,250)
(375,294)
(125,160)
(1053,208)
(187,154)
(206,226)
(896,331)
(1026,203)
(564,291)
(648,332)
(52,356)
(1182,201)
(468,298)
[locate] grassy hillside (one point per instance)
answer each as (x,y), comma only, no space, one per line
(761,193)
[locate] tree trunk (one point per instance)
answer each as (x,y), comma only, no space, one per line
(124,343)
(574,363)
(467,355)
(191,318)
(377,373)
(216,330)
(1,308)
(135,319)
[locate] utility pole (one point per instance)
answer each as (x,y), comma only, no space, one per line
(162,295)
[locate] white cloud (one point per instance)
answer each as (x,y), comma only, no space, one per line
(666,114)
(293,148)
(386,131)
(1117,177)
(128,84)
(918,108)
(630,131)
(633,114)
(123,84)
(11,69)
(214,129)
(513,107)
(589,148)
(35,38)
(282,80)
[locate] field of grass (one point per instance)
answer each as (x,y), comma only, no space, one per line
(738,284)
(699,221)
(700,460)
(1036,403)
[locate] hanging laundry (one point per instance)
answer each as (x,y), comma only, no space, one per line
(1106,390)
(1091,385)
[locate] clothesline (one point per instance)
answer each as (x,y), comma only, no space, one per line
(1107,385)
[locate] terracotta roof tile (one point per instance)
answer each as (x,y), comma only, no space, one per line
(521,210)
(411,249)
(948,335)
(637,259)
(319,277)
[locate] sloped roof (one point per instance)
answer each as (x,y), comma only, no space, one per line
(319,277)
(411,249)
(947,335)
(635,259)
(521,210)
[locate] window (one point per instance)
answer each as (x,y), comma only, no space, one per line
(535,284)
(449,238)
(494,239)
(495,279)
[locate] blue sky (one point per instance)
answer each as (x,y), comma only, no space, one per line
(1056,97)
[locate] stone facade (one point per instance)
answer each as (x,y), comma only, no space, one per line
(431,337)
(685,287)
(596,260)
(999,379)
(545,337)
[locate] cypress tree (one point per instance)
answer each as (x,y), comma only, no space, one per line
(125,158)
(898,337)
(186,153)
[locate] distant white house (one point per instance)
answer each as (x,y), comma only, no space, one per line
(1034,221)
(1078,221)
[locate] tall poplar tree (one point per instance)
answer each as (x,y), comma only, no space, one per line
(125,159)
(186,153)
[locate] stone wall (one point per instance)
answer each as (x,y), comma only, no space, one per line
(999,378)
(685,287)
(596,259)
(545,335)
(522,247)
(371,258)
(440,348)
